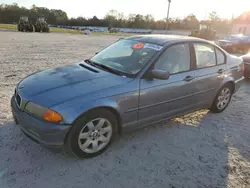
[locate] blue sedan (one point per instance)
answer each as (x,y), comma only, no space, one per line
(132,83)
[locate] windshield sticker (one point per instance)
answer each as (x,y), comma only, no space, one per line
(153,46)
(138,46)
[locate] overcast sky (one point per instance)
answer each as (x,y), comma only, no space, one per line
(158,8)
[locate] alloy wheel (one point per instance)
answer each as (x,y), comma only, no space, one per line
(223,98)
(95,135)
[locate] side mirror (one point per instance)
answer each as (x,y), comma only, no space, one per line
(160,74)
(96,53)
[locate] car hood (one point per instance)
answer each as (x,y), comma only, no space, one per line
(54,86)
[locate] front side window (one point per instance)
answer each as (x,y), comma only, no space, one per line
(127,56)
(205,56)
(175,59)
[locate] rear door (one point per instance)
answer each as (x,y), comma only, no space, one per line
(209,71)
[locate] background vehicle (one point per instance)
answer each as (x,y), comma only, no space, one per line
(41,25)
(235,43)
(205,32)
(24,24)
(246,66)
(134,82)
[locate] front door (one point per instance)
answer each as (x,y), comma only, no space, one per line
(160,99)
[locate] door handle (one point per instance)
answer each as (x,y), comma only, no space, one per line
(220,71)
(188,78)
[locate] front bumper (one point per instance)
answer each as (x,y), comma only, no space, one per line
(44,133)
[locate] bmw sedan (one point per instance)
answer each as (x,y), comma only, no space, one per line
(134,82)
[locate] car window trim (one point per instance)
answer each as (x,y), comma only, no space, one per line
(177,43)
(216,48)
(204,43)
(192,56)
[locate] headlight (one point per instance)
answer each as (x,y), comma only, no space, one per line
(42,112)
(35,109)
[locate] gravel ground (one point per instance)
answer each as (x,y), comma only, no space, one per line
(198,150)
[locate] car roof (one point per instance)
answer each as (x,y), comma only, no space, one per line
(163,39)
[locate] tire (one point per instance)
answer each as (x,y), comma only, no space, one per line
(91,134)
(216,107)
(31,29)
(37,29)
(46,30)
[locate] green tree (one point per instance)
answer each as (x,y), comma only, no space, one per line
(213,16)
(191,22)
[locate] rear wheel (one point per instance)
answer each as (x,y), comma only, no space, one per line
(31,29)
(46,29)
(222,99)
(37,29)
(92,134)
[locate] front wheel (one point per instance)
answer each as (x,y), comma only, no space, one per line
(222,99)
(92,134)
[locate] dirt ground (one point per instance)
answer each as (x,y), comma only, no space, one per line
(198,150)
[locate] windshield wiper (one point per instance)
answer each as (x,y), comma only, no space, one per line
(102,66)
(90,62)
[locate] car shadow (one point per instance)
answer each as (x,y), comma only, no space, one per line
(238,133)
(188,151)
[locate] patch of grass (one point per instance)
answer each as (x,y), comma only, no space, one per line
(63,30)
(112,34)
(8,26)
(13,27)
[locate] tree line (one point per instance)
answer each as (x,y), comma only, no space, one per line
(11,14)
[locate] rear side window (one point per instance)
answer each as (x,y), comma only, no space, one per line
(220,57)
(205,55)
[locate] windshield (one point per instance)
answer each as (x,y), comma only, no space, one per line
(126,56)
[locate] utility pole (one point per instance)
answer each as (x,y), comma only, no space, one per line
(169,1)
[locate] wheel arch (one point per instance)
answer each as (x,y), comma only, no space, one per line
(109,108)
(113,110)
(232,84)
(229,81)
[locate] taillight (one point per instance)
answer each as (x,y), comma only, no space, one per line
(243,67)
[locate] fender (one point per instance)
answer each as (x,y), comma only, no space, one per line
(124,105)
(76,109)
